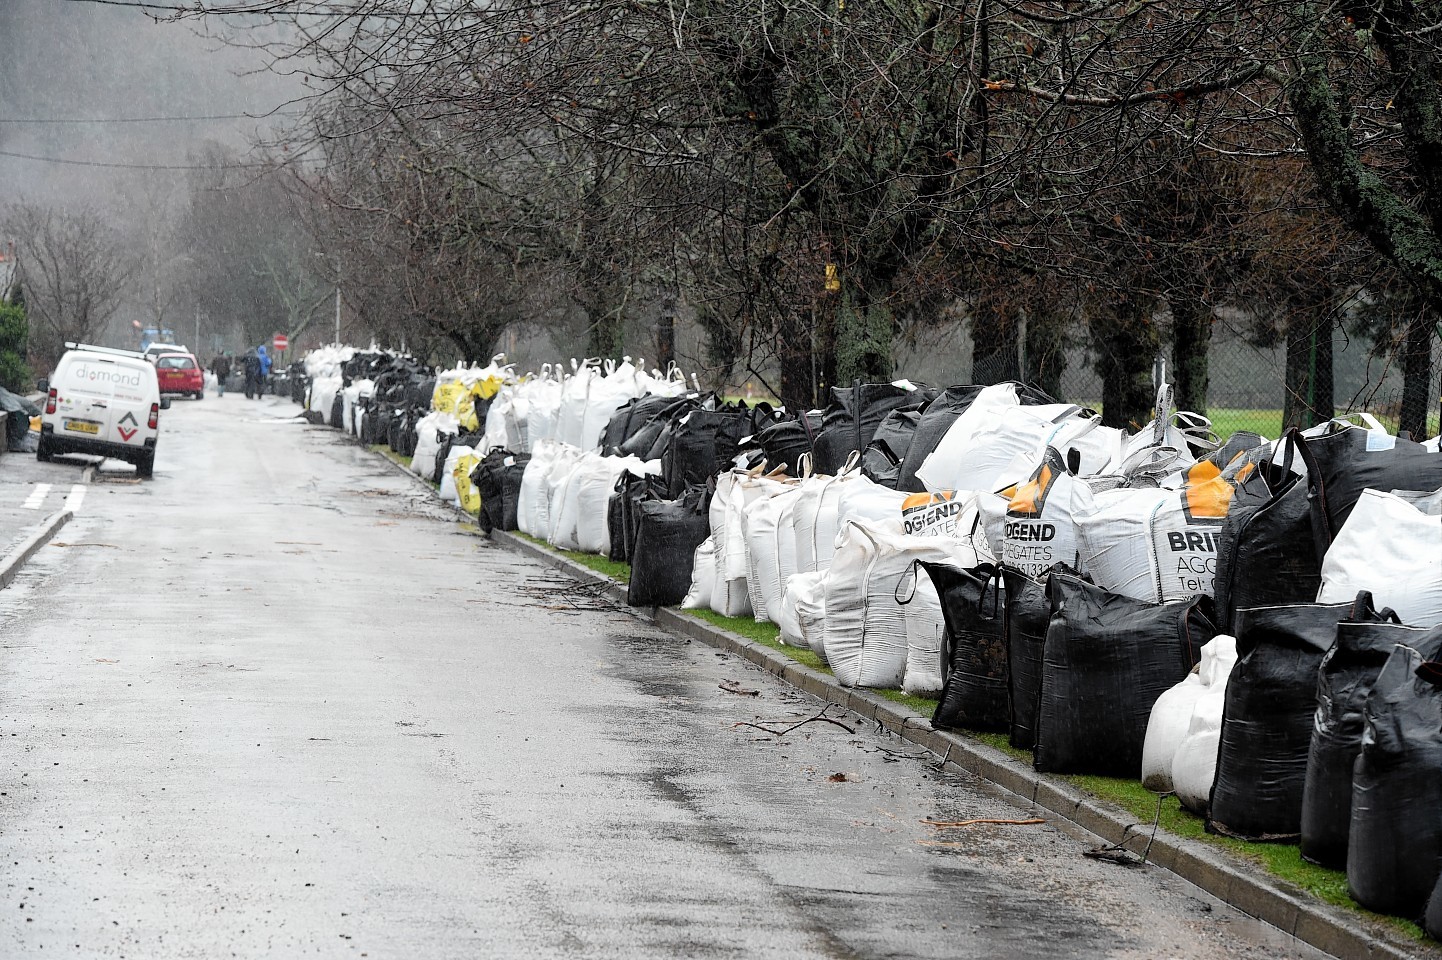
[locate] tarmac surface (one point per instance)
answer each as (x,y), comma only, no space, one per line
(278,702)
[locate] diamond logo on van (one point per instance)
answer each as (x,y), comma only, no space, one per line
(134,426)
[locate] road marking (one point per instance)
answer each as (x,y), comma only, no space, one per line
(77,495)
(37,496)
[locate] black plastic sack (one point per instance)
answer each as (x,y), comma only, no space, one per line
(937,419)
(1266,551)
(1027,614)
(786,442)
(1267,717)
(630,419)
(650,439)
(882,459)
(337,412)
(1108,659)
(1342,464)
(1395,845)
(704,442)
(975,684)
(666,543)
(1345,680)
(854,415)
(625,506)
(498,480)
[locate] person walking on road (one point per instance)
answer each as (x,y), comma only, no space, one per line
(252,374)
(220,366)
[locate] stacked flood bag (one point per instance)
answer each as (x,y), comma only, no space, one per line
(498,481)
(854,415)
(1267,720)
(975,689)
(1395,841)
(1347,676)
(667,536)
(1108,658)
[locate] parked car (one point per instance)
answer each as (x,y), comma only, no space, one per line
(104,402)
(180,373)
(156,349)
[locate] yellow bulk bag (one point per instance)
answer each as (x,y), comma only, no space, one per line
(470,496)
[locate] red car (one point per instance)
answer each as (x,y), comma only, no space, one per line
(180,373)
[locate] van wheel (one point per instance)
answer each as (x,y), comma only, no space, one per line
(145,465)
(43,452)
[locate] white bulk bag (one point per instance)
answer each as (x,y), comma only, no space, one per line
(1194,767)
(924,628)
(936,514)
(428,441)
(621,384)
(1022,434)
(495,425)
(593,490)
(1156,544)
(1171,717)
(322,395)
(349,396)
(532,517)
(575,394)
(564,532)
(703,577)
(763,572)
(1392,547)
(806,603)
(560,530)
(731,596)
(1039,527)
(848,497)
(941,469)
(448,473)
(865,630)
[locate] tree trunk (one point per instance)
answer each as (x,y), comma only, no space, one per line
(864,331)
(994,337)
(798,366)
(666,333)
(1417,376)
(1309,370)
(1191,348)
(1046,358)
(1127,343)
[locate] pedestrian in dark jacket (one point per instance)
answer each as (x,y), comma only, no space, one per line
(220,366)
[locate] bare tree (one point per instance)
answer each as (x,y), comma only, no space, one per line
(74,271)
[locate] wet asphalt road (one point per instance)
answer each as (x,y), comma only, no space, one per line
(277,703)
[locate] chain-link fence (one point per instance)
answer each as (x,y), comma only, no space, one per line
(1249,385)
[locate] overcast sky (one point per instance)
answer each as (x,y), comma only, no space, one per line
(63,61)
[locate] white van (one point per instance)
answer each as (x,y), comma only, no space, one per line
(104,402)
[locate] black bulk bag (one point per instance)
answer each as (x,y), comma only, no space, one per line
(784,443)
(627,421)
(1341,464)
(649,439)
(670,531)
(1267,716)
(625,507)
(881,460)
(498,480)
(937,419)
(853,416)
(1348,672)
(337,411)
(1395,844)
(1027,614)
(1108,659)
(702,444)
(1266,551)
(974,691)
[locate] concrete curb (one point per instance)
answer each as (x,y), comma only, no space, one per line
(1233,882)
(11,565)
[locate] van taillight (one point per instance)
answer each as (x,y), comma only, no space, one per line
(154,415)
(50,401)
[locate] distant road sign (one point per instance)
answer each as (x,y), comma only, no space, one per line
(280,341)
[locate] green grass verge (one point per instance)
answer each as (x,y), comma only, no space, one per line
(611,568)
(390,454)
(1283,861)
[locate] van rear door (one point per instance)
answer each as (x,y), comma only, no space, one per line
(135,390)
(85,395)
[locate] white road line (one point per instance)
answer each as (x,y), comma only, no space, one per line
(37,496)
(77,496)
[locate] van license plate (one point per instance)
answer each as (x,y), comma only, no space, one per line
(82,426)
